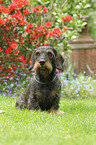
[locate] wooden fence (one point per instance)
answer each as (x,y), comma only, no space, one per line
(83,57)
(83,54)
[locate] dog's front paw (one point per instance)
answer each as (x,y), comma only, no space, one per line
(61,112)
(21,105)
(58,112)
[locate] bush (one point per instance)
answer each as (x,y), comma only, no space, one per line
(22,29)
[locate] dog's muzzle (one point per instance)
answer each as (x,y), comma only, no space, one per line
(42,62)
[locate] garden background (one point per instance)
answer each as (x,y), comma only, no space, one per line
(25,25)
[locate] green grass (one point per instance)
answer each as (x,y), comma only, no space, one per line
(77,126)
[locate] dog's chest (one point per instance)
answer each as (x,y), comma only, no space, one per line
(45,94)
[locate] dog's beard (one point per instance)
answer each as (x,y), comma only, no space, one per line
(44,70)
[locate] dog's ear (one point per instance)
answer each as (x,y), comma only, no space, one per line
(59,60)
(32,61)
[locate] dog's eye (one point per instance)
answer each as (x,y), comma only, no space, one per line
(37,53)
(49,54)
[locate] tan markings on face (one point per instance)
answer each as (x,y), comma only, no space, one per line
(36,65)
(48,66)
(46,70)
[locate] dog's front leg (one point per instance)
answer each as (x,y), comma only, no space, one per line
(33,103)
(55,106)
(23,98)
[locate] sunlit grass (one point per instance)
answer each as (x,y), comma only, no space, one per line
(76,126)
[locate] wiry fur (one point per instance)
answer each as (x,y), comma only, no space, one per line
(43,91)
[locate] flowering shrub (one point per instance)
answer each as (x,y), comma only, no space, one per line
(22,29)
(67,18)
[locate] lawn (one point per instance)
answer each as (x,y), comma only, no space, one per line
(77,126)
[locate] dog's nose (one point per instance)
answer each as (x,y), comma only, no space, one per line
(42,62)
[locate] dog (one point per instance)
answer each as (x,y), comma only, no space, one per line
(43,91)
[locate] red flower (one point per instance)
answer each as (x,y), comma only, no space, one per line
(48,24)
(22,58)
(23,42)
(1,8)
(20,33)
(64,29)
(1,69)
(12,39)
(56,30)
(45,9)
(34,9)
(12,65)
(18,4)
(17,16)
(41,29)
(23,23)
(2,74)
(29,62)
(8,19)
(6,10)
(0,49)
(13,45)
(7,39)
(26,11)
(12,6)
(21,66)
(67,18)
(25,2)
(8,42)
(24,61)
(30,25)
(37,36)
(14,68)
(28,29)
(8,50)
(2,21)
(12,75)
(37,8)
(47,44)
(7,28)
(16,52)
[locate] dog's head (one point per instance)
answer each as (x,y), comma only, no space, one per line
(45,59)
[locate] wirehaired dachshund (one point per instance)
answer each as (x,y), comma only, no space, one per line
(43,91)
